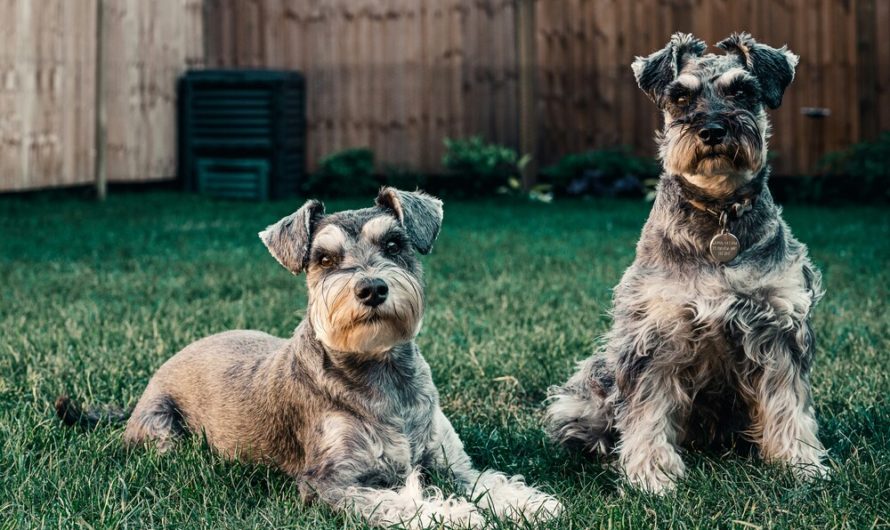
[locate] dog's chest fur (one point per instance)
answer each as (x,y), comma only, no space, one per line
(698,308)
(378,413)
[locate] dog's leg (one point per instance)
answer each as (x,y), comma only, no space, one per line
(504,496)
(649,423)
(579,413)
(783,420)
(347,472)
(411,506)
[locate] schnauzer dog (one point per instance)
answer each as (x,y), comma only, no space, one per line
(711,335)
(347,405)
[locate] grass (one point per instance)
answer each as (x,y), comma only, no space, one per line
(96,296)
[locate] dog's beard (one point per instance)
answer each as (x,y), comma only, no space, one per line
(343,324)
(722,168)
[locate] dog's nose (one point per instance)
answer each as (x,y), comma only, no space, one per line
(712,134)
(371,291)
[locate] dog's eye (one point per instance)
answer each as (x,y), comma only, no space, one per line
(392,247)
(326,262)
(682,101)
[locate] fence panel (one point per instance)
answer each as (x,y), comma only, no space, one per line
(588,97)
(147,45)
(47,88)
(397,76)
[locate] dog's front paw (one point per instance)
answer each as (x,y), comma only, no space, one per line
(533,505)
(656,476)
(652,468)
(652,481)
(542,508)
(458,514)
(512,498)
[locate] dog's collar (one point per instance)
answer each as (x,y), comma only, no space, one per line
(735,205)
(724,246)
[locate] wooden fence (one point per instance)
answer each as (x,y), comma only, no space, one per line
(399,76)
(394,75)
(587,96)
(48,88)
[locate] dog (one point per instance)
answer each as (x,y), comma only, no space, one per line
(711,334)
(347,406)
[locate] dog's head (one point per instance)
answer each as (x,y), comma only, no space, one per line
(364,278)
(715,123)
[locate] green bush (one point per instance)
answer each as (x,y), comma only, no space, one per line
(859,173)
(480,168)
(608,172)
(346,173)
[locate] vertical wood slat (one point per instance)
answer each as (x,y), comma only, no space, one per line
(882,65)
(528,123)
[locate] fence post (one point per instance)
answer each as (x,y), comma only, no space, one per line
(528,123)
(100,173)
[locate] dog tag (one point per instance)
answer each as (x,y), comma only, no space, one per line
(724,247)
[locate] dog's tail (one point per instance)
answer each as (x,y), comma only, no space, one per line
(73,414)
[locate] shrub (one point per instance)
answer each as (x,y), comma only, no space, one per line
(608,172)
(480,168)
(346,173)
(859,173)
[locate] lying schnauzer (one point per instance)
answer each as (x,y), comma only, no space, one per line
(347,405)
(711,330)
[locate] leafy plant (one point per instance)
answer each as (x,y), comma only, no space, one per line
(605,172)
(480,168)
(345,173)
(860,173)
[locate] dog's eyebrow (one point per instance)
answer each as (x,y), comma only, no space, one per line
(331,238)
(378,227)
(729,76)
(689,81)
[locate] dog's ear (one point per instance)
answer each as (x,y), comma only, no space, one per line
(773,68)
(655,72)
(419,213)
(289,239)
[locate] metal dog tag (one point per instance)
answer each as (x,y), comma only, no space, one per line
(724,247)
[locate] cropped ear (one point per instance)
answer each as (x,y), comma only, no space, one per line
(419,213)
(655,72)
(289,239)
(773,68)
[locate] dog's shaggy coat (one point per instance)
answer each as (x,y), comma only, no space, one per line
(347,405)
(701,349)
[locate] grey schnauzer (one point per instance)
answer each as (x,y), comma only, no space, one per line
(347,405)
(711,336)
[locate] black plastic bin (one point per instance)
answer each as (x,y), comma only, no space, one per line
(242,133)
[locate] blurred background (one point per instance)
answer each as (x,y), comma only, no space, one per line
(529,92)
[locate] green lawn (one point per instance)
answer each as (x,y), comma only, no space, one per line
(96,296)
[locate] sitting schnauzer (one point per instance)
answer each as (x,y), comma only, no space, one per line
(711,332)
(347,405)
